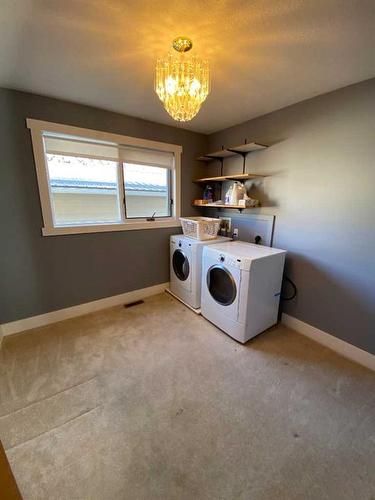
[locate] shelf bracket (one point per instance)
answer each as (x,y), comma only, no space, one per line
(244,155)
(220,159)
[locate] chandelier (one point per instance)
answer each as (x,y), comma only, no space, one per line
(182,83)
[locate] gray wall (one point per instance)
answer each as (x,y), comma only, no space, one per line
(41,274)
(321,187)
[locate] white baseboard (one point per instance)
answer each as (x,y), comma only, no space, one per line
(74,311)
(349,351)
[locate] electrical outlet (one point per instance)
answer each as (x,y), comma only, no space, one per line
(235,233)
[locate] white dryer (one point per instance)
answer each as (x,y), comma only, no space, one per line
(241,285)
(186,268)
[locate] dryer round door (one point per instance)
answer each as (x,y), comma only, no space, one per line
(221,285)
(180,265)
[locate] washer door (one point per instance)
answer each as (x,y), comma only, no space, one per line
(221,285)
(180,265)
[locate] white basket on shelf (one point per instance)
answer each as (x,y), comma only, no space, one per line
(200,228)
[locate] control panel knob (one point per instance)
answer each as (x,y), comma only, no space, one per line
(180,244)
(222,258)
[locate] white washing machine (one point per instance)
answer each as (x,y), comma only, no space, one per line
(186,268)
(241,285)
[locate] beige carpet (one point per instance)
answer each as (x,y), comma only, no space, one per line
(153,402)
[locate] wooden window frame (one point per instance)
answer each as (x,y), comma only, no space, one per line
(38,128)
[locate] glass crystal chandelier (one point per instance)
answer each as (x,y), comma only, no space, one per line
(181,82)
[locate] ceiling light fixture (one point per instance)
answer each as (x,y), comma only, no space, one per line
(182,83)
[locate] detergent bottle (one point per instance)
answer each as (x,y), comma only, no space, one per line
(238,192)
(228,195)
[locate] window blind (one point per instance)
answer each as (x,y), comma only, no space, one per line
(81,148)
(147,157)
(113,152)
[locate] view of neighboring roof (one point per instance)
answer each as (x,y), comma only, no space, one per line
(103,185)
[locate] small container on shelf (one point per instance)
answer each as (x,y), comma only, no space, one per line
(248,202)
(200,202)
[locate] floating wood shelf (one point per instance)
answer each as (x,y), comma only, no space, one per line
(232,177)
(242,149)
(215,205)
(247,147)
(217,155)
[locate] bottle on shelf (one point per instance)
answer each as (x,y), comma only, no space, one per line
(228,195)
(238,192)
(208,194)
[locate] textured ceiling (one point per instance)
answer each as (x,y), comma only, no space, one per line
(264,54)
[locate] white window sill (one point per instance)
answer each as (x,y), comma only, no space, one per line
(104,228)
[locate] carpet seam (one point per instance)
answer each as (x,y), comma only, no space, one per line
(53,428)
(47,397)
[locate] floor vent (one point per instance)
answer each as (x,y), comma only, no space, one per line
(135,303)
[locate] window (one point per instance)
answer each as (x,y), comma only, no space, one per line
(93,181)
(83,190)
(147,191)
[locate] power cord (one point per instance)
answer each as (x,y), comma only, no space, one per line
(294,294)
(257,241)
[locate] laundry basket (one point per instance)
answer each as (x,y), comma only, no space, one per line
(200,228)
